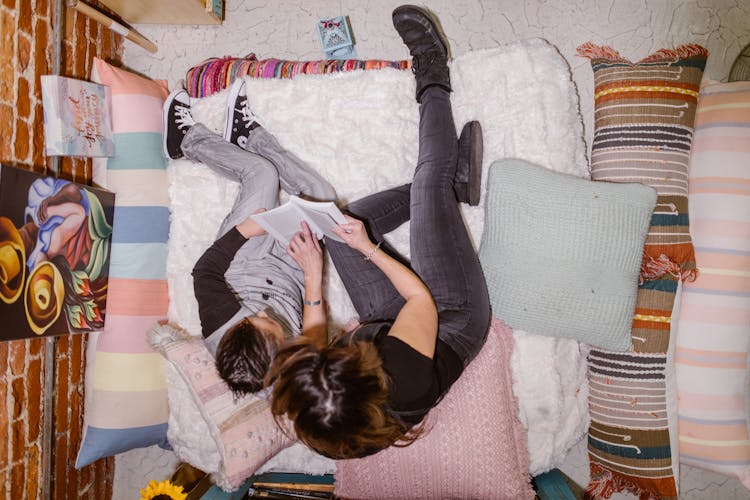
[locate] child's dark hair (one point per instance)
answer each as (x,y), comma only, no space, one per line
(244,356)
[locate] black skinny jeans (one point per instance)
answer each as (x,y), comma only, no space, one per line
(442,254)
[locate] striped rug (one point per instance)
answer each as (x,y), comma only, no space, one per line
(216,74)
(643,130)
(713,334)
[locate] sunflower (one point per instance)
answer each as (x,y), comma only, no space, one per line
(164,490)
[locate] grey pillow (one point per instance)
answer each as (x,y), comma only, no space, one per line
(561,254)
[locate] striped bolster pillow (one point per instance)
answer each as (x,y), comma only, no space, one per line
(126,392)
(643,130)
(713,334)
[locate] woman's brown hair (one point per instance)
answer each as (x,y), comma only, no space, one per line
(337,398)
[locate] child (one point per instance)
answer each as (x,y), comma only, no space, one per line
(249,288)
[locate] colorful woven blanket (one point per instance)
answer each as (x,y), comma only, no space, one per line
(216,74)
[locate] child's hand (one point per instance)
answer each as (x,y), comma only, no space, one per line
(305,250)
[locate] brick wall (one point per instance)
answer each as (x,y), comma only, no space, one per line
(26,52)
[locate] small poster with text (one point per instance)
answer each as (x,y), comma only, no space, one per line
(77,119)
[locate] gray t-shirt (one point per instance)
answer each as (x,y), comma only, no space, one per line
(229,289)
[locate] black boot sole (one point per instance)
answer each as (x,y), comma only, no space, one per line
(470,156)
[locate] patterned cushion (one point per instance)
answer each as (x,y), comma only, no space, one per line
(243,429)
(216,74)
(474,446)
(123,373)
(713,334)
(643,125)
(643,130)
(562,254)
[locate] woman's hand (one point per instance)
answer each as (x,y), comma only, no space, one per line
(249,228)
(305,250)
(354,234)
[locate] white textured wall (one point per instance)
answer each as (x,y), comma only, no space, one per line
(286,29)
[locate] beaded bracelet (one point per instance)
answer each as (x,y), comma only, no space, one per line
(372,252)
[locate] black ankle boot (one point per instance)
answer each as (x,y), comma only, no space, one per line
(467,184)
(428,46)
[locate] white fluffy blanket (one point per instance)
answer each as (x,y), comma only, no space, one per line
(359,130)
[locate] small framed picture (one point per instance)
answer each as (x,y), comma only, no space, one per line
(336,38)
(77,120)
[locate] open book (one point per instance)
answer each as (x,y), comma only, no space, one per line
(283,221)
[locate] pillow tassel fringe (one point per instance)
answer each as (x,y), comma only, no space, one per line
(593,51)
(604,483)
(655,268)
(680,52)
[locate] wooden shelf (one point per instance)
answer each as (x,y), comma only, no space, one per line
(168,11)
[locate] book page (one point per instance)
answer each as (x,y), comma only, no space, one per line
(284,221)
(322,217)
(280,222)
(321,223)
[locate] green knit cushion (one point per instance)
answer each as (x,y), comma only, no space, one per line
(561,254)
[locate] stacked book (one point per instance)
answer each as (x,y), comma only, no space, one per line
(288,485)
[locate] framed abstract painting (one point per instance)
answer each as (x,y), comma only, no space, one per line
(55,238)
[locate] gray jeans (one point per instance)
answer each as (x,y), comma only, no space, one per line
(259,168)
(442,253)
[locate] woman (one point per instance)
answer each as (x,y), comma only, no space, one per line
(420,328)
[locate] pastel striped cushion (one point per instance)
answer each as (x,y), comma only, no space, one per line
(126,393)
(643,131)
(713,339)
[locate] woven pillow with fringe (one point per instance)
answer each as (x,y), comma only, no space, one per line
(643,131)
